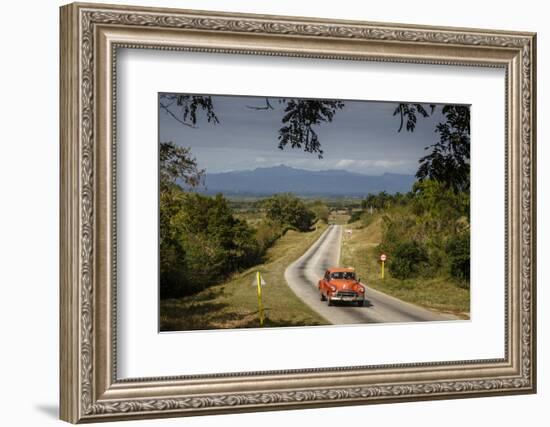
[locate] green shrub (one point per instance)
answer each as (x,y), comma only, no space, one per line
(408,260)
(355,216)
(458,251)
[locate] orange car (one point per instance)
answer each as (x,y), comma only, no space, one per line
(341,284)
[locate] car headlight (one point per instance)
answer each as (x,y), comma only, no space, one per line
(333,288)
(361,290)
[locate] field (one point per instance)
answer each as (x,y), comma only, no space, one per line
(234,303)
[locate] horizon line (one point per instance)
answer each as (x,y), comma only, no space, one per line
(310,170)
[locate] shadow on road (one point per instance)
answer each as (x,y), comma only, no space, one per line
(366,304)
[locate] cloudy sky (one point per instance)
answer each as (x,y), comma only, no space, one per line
(362,138)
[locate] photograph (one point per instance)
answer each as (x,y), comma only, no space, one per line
(281,211)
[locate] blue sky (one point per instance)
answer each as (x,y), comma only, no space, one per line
(362,138)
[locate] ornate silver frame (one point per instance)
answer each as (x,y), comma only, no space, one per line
(90,36)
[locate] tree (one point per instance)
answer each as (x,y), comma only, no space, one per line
(173,265)
(301,115)
(321,211)
(408,112)
(449,159)
(289,210)
(177,164)
(184,108)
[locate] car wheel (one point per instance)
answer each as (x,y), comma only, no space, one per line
(329,301)
(360,303)
(323,298)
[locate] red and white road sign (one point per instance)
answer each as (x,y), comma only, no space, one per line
(383,257)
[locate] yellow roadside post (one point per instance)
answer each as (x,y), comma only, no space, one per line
(383,258)
(260,305)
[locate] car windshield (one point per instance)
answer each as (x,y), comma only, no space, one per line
(346,275)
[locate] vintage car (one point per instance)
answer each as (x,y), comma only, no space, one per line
(341,284)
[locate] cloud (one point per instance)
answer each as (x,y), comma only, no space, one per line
(370,163)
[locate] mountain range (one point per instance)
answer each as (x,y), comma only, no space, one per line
(283,179)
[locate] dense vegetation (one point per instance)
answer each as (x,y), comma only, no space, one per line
(426,232)
(289,211)
(201,242)
(202,239)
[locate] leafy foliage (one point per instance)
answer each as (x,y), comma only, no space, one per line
(289,210)
(408,259)
(428,227)
(407,112)
(449,160)
(439,207)
(184,108)
(321,210)
(201,242)
(301,115)
(173,263)
(458,248)
(176,163)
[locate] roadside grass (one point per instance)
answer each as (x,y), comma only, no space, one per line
(234,303)
(359,249)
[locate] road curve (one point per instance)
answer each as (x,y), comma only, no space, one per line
(303,275)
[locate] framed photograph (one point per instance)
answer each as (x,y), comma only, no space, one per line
(265,213)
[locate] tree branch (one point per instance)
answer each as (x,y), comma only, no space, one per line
(268,106)
(167,109)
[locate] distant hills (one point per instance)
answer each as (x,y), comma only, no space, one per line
(282,179)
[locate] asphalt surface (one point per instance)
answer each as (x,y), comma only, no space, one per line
(303,276)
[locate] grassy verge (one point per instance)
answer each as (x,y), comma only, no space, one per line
(339,217)
(234,303)
(360,251)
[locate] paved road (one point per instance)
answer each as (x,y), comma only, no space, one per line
(303,275)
